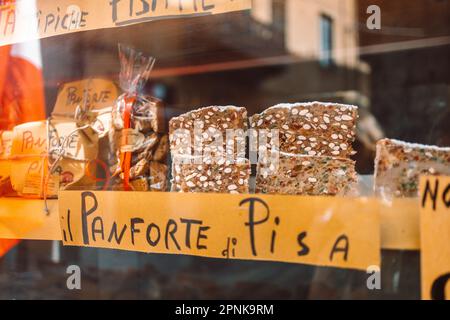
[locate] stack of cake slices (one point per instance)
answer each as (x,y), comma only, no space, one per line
(311,155)
(208,150)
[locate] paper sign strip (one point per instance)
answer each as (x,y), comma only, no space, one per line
(400,224)
(324,231)
(26,219)
(435,237)
(18,21)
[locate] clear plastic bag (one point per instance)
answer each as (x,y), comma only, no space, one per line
(137,136)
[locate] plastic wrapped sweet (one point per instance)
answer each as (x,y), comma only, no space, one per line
(209,124)
(399,164)
(310,154)
(208,150)
(136,140)
(52,155)
(199,174)
(306,175)
(314,128)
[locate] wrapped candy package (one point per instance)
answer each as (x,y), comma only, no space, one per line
(138,144)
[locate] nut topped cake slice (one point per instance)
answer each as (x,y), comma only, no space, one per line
(399,164)
(200,130)
(195,174)
(307,175)
(314,129)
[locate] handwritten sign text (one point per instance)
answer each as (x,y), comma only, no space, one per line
(320,231)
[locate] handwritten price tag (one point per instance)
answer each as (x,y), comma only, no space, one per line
(96,93)
(325,231)
(435,237)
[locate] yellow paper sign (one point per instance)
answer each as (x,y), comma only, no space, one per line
(324,231)
(27,219)
(21,21)
(400,224)
(95,93)
(435,237)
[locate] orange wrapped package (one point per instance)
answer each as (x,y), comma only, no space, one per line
(51,155)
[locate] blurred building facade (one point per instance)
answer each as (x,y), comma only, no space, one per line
(314,30)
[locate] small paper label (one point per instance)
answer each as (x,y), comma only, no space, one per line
(95,93)
(131,139)
(35,184)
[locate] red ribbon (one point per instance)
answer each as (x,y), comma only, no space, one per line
(126,156)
